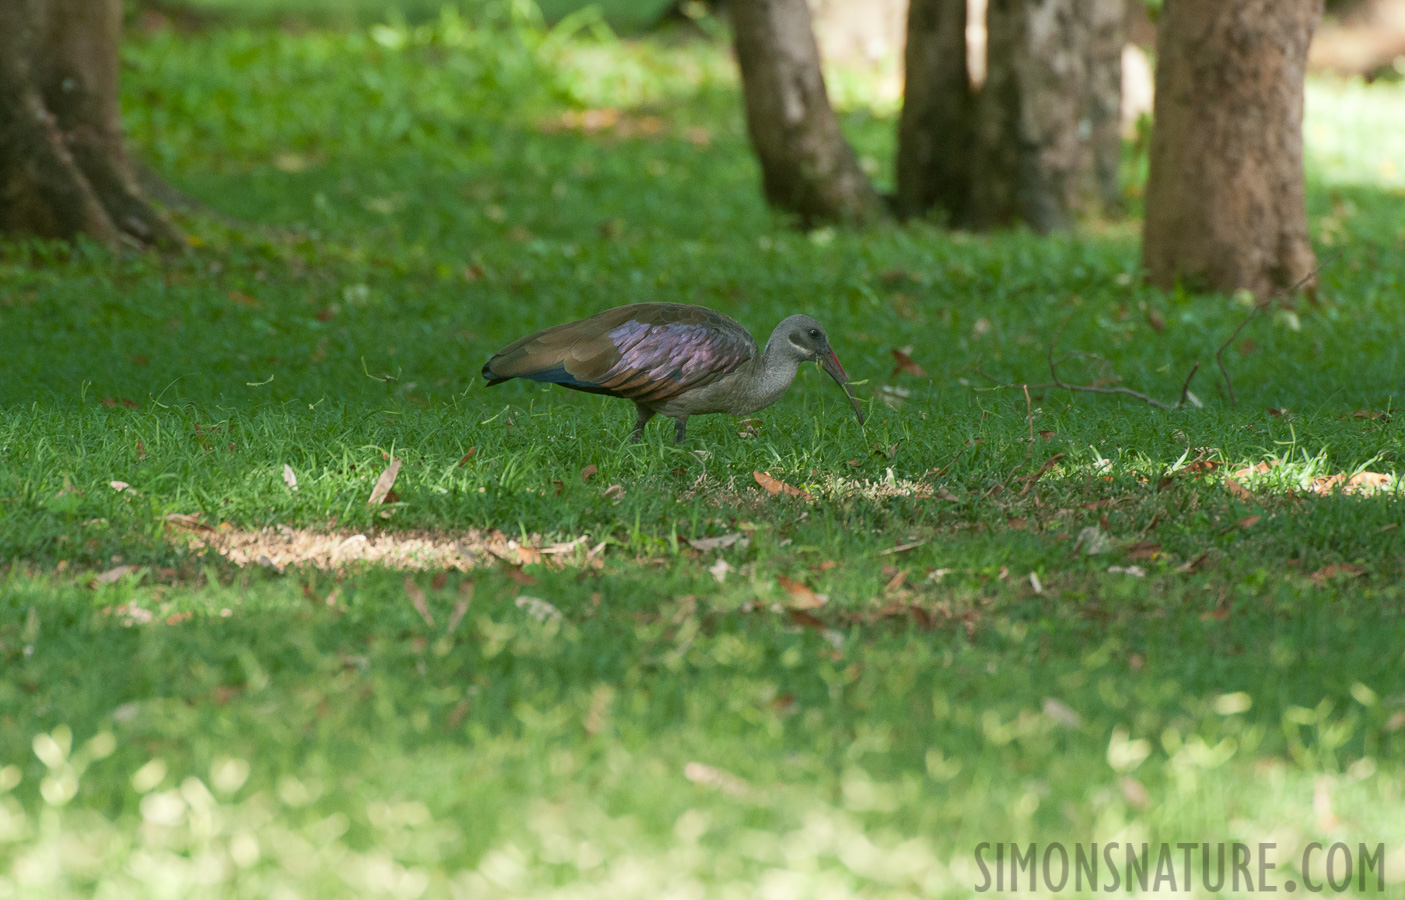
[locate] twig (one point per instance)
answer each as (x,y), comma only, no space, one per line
(1029,417)
(1259,307)
(1185,388)
(1093,389)
(1039,473)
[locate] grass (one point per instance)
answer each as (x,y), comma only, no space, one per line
(397,203)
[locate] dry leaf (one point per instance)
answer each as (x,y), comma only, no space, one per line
(1367,482)
(776,486)
(1062,713)
(1092,541)
(587,472)
(537,608)
(185,521)
(719,542)
(1048,435)
(614,490)
(1370,414)
(417,598)
(944,494)
(1143,550)
(801,597)
(467,456)
(711,777)
(290,478)
(720,569)
(1335,570)
(461,607)
(905,363)
(903,548)
(1156,321)
(1018,523)
(119,486)
(1249,521)
(385,483)
(1193,565)
(1134,571)
(112,575)
(1238,489)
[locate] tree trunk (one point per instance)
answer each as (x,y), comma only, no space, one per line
(935,132)
(63,172)
(1225,206)
(1047,116)
(806,165)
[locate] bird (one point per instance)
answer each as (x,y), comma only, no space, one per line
(672,359)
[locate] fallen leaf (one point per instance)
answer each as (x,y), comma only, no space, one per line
(614,490)
(720,569)
(467,456)
(537,608)
(1062,713)
(141,451)
(1092,541)
(944,494)
(1018,523)
(801,597)
(1143,550)
(119,486)
(1193,565)
(244,300)
(587,472)
(1201,465)
(1370,414)
(191,522)
(715,778)
(905,363)
(1367,482)
(418,600)
(112,575)
(1238,489)
(526,556)
(1134,571)
(807,619)
(1156,321)
(776,486)
(903,548)
(461,607)
(290,477)
(1277,412)
(385,483)
(719,542)
(1336,570)
(1048,435)
(1249,521)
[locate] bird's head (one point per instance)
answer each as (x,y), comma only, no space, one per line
(804,339)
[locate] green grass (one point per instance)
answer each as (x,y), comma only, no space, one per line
(398,203)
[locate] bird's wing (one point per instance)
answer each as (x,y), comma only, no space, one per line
(648,352)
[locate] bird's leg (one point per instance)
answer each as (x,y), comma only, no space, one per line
(680,428)
(644,416)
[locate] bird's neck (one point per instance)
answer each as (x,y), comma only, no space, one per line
(774,374)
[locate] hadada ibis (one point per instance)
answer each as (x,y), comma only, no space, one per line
(672,360)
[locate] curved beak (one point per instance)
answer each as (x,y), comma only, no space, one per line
(831,365)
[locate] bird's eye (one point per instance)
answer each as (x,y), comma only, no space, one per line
(814,332)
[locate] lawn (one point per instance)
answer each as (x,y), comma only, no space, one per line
(558,665)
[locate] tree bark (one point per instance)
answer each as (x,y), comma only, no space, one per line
(63,172)
(807,167)
(1047,116)
(935,132)
(1225,205)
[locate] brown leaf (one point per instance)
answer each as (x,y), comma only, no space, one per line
(587,472)
(1048,435)
(717,543)
(905,363)
(528,556)
(801,597)
(1237,489)
(1202,465)
(517,575)
(809,620)
(776,486)
(1019,523)
(244,300)
(467,456)
(385,483)
(461,607)
(1335,570)
(1277,412)
(1370,414)
(191,522)
(417,599)
(1249,522)
(141,451)
(1367,482)
(1143,550)
(112,575)
(1193,565)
